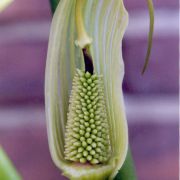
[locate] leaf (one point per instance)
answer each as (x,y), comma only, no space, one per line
(7,170)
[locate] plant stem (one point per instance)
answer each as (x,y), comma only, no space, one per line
(83,40)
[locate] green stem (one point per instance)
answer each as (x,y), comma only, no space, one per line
(7,170)
(83,39)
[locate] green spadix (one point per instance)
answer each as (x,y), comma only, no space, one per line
(87,136)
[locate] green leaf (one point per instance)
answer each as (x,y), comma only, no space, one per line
(7,170)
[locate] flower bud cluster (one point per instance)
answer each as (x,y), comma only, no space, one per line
(87,131)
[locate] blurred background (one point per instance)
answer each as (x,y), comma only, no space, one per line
(151,100)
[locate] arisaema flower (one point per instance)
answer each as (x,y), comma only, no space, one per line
(86,121)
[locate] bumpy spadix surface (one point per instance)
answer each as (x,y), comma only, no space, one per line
(87,131)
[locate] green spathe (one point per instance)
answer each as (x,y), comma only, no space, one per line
(106,26)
